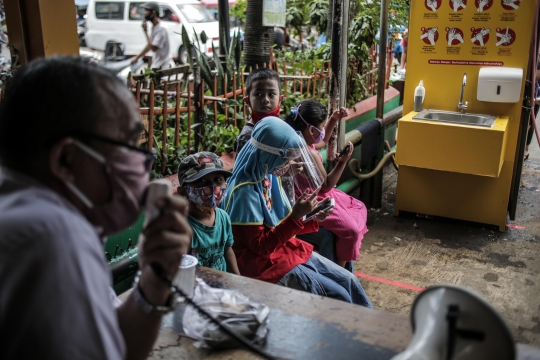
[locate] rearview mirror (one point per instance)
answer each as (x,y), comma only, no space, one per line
(204,37)
(114,51)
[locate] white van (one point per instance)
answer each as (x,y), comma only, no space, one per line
(121,21)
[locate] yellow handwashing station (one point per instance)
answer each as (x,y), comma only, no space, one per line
(456,156)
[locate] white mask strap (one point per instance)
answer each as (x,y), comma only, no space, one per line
(79,194)
(284,153)
(91,152)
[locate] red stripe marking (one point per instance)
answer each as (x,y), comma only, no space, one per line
(389,282)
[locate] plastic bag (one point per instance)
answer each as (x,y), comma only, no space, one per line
(229,307)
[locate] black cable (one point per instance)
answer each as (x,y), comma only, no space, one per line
(158,270)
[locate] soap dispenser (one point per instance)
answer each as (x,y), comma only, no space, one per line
(419,94)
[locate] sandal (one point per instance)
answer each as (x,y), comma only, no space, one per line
(526,156)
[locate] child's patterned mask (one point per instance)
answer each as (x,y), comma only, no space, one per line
(207,197)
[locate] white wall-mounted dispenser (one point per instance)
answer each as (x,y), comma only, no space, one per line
(499,84)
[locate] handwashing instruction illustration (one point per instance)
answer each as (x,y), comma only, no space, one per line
(433,5)
(506,38)
(458,4)
(454,36)
(430,35)
(480,36)
(510,4)
(483,5)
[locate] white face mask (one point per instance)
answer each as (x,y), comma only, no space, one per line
(128,177)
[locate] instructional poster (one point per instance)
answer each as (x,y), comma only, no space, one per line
(274,12)
(448,38)
(483,31)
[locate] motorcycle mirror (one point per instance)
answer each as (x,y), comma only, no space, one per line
(114,51)
(204,37)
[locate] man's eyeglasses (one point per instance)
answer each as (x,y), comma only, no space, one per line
(149,155)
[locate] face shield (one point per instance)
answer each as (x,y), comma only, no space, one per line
(299,172)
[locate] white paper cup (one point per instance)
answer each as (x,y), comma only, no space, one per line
(185,278)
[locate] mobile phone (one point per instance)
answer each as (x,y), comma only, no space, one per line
(322,207)
(345,150)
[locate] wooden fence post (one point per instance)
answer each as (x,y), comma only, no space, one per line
(198,107)
(177,113)
(165,117)
(151,118)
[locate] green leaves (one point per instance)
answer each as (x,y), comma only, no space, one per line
(238,10)
(362,31)
(295,17)
(186,42)
(318,14)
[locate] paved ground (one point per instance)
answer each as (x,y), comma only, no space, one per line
(504,267)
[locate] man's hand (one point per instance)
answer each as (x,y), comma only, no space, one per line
(144,26)
(166,239)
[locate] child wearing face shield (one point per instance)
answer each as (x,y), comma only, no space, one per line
(202,182)
(348,220)
(265,224)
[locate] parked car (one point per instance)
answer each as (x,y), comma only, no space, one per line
(120,21)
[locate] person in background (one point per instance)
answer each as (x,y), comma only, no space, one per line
(263,88)
(265,226)
(404,45)
(348,220)
(158,41)
(78,178)
(279,38)
(202,182)
(398,49)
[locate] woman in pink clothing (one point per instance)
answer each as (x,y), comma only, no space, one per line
(348,220)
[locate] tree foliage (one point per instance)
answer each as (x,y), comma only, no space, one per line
(297,15)
(398,12)
(318,14)
(238,11)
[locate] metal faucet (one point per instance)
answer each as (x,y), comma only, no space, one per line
(462,106)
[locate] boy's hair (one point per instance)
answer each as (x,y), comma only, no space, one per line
(312,111)
(262,74)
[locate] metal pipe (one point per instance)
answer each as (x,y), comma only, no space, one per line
(389,118)
(354,166)
(462,105)
(392,116)
(381,80)
(335,75)
(343,76)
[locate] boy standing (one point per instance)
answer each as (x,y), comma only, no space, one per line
(264,97)
(202,182)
